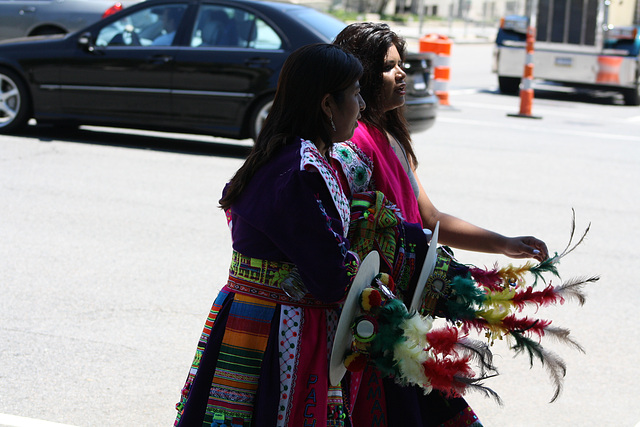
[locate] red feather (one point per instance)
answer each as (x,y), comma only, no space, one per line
(479,324)
(541,298)
(511,323)
(442,373)
(443,340)
(488,278)
(526,325)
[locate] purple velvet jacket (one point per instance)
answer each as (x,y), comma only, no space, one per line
(288,214)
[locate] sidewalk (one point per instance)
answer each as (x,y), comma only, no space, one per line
(458,31)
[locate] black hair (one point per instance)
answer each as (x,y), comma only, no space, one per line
(370,42)
(308,74)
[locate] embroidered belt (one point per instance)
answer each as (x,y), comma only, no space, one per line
(263,279)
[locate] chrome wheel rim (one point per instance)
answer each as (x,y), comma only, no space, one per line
(9,100)
(261,117)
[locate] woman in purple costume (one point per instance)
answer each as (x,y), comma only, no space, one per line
(262,359)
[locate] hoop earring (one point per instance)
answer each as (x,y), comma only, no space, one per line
(333,126)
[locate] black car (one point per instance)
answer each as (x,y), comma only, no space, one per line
(23,18)
(198,66)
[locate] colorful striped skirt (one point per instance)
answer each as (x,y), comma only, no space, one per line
(262,359)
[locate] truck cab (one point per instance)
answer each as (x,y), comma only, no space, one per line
(577,44)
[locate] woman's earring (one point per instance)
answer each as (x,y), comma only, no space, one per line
(333,126)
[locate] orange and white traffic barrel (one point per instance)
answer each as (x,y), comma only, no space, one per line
(440,46)
(609,69)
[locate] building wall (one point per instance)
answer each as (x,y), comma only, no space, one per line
(488,11)
(622,12)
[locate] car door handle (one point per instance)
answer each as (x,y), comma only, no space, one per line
(160,59)
(30,9)
(257,62)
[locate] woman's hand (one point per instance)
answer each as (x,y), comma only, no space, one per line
(525,247)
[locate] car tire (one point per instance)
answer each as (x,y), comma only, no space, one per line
(47,31)
(260,112)
(15,103)
(632,96)
(509,85)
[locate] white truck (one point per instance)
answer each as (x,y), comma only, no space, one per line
(579,43)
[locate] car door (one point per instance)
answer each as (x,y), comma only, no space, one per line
(234,56)
(18,16)
(124,76)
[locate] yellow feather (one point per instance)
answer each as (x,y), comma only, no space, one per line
(515,275)
(410,359)
(494,316)
(499,298)
(416,328)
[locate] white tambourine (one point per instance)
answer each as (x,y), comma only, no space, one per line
(369,268)
(427,269)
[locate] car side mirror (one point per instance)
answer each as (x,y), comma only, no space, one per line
(85,41)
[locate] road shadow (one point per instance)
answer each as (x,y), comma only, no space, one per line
(566,94)
(156,141)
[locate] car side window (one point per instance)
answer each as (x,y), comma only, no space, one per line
(151,26)
(266,37)
(232,27)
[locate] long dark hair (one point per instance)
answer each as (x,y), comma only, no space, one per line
(309,74)
(369,42)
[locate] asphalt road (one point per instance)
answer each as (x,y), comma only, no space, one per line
(112,250)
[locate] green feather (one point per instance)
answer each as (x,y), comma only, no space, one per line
(546,266)
(523,343)
(465,299)
(390,317)
(555,366)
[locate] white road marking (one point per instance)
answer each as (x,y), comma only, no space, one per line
(541,111)
(588,134)
(7,420)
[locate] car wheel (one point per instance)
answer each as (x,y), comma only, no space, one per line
(509,85)
(14,101)
(260,112)
(632,96)
(47,31)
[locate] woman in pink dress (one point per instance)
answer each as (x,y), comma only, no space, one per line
(383,137)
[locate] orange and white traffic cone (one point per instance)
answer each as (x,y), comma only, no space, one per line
(526,85)
(440,46)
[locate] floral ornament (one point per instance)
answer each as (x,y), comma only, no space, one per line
(357,167)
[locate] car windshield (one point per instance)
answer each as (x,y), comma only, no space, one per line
(325,25)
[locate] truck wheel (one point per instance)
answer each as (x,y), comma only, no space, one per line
(632,96)
(260,112)
(14,102)
(509,85)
